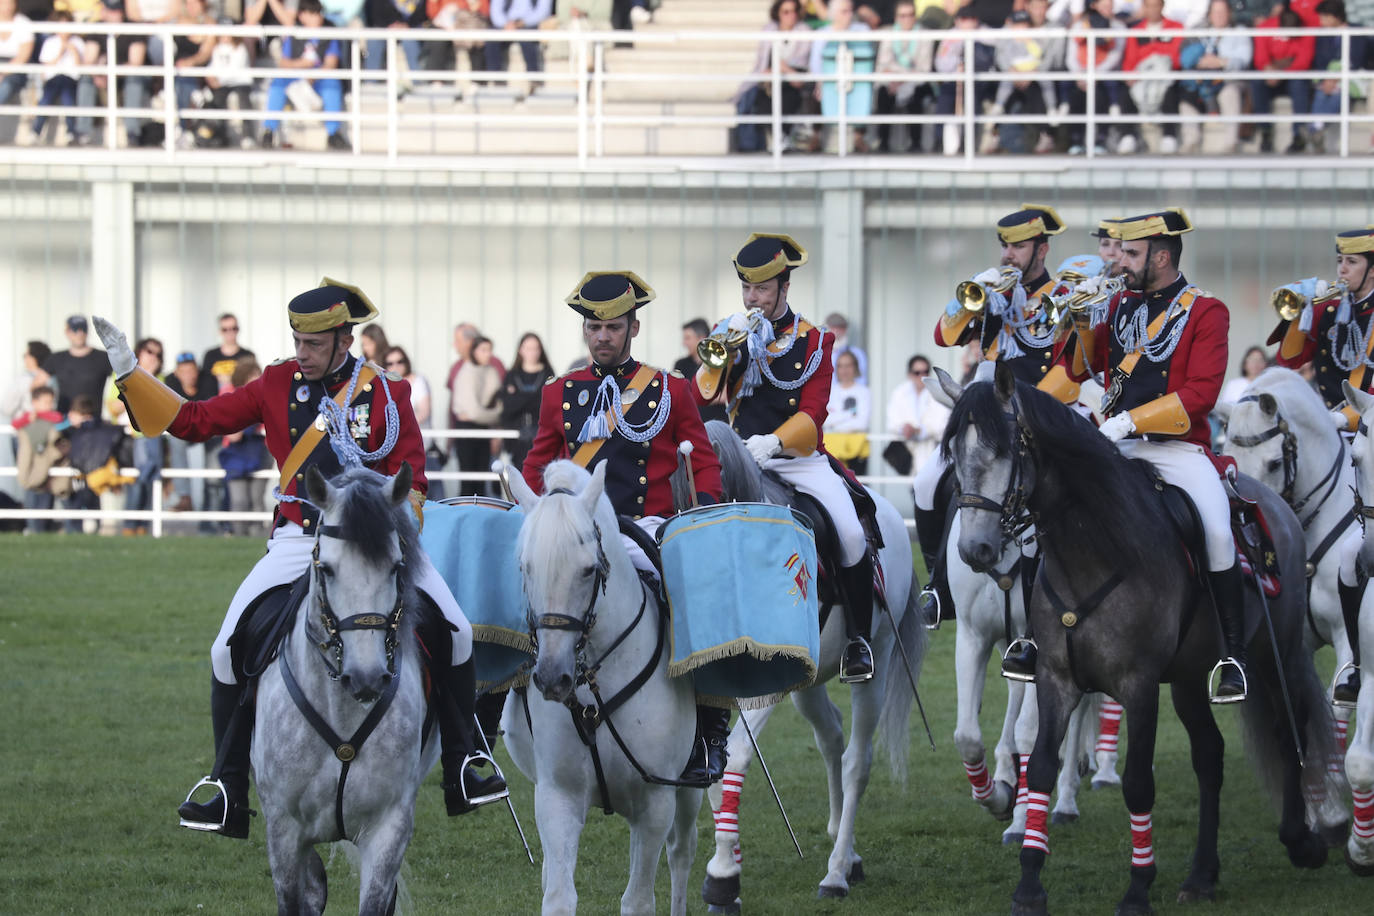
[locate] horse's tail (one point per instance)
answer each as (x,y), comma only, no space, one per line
(1268,732)
(739,472)
(895,719)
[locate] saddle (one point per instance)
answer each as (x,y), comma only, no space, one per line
(1248,528)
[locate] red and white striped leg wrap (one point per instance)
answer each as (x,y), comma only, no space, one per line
(1142,844)
(1021,792)
(1108,726)
(727,816)
(980,780)
(1335,763)
(1341,728)
(1364,815)
(1037,822)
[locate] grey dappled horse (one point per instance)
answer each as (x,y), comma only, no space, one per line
(590,609)
(352,653)
(1117,608)
(880,704)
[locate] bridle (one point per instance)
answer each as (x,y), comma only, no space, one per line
(1013,510)
(582,625)
(1290,455)
(331,649)
(1363,513)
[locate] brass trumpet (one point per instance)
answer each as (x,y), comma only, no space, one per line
(1075,302)
(716,350)
(1289,304)
(972,297)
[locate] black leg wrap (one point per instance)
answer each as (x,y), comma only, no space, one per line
(455,705)
(1227,592)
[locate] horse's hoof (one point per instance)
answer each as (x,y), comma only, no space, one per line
(729,908)
(1039,906)
(1013,839)
(1334,834)
(721,892)
(1003,790)
(1361,869)
(1188,894)
(1106,784)
(828,892)
(1310,852)
(1063,817)
(856,873)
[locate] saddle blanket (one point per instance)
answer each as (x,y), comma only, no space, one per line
(473,546)
(741,585)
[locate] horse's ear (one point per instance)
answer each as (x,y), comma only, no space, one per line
(316,487)
(519,490)
(1005,381)
(1357,399)
(1268,404)
(945,390)
(595,487)
(1223,410)
(400,484)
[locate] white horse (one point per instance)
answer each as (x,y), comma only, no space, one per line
(1359,758)
(1280,433)
(883,702)
(597,623)
(351,659)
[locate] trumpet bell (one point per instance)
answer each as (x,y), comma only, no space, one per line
(1287,303)
(971,296)
(713,353)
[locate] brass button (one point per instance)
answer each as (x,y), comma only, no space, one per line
(1322,369)
(1069,619)
(367,387)
(644,444)
(305,522)
(300,476)
(297,376)
(1044,368)
(791,402)
(796,365)
(639,499)
(643,480)
(567,426)
(567,406)
(293,430)
(641,462)
(568,384)
(654,383)
(293,405)
(1164,372)
(638,517)
(653,404)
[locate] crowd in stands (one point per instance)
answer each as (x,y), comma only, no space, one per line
(1140,43)
(66,413)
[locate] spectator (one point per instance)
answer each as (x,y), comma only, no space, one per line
(241,456)
(41,448)
(153,11)
(463,336)
(1107,54)
(374,344)
(1323,97)
(1153,51)
(832,57)
(397,361)
(462,16)
(218,364)
(190,51)
(521,392)
(949,60)
(846,423)
(146,452)
(476,393)
(1191,14)
(756,98)
(1252,364)
(1221,53)
(278,12)
(95,452)
(1278,55)
(914,416)
(130,50)
(1023,57)
(511,15)
(187,380)
(19,397)
(60,54)
(16,47)
(78,370)
(905,96)
(838,325)
(317,56)
(231,82)
(396,15)
(969,361)
(693,333)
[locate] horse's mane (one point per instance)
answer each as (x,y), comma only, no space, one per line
(740,476)
(556,525)
(1091,500)
(369,518)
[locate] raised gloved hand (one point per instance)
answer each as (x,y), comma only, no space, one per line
(1320,289)
(122,359)
(1091,286)
(763,447)
(1339,420)
(737,322)
(990,277)
(1118,427)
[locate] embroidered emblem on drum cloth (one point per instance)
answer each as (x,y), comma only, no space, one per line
(801,575)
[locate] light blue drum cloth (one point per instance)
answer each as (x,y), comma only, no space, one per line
(473,546)
(741,583)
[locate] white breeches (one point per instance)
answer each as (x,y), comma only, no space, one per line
(1184,465)
(927,481)
(814,475)
(649,523)
(287,557)
(1348,549)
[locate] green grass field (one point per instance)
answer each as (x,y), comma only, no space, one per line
(104,668)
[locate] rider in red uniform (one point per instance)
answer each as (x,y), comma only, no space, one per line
(633,417)
(377,429)
(1333,334)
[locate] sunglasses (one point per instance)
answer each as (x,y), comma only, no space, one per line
(395,362)
(920,372)
(151,352)
(225,330)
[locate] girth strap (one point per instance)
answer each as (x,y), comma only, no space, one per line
(346,751)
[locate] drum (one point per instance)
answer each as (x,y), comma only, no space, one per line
(472,542)
(741,584)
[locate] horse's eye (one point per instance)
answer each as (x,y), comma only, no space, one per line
(589,572)
(326,570)
(1274,464)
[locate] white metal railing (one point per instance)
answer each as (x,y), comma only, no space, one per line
(588,78)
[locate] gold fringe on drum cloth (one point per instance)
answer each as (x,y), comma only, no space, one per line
(509,639)
(745,646)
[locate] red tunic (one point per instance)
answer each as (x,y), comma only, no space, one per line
(637,473)
(1316,349)
(286,404)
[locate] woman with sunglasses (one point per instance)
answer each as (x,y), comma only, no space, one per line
(397,361)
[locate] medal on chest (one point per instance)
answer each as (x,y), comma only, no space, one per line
(360,421)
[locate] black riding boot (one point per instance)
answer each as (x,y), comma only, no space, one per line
(1018,664)
(930,531)
(233,773)
(707,763)
(1348,691)
(489,708)
(1228,593)
(455,703)
(856,665)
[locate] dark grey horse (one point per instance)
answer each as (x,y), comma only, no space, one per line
(1117,608)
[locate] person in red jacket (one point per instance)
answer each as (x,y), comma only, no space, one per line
(777,390)
(631,416)
(1280,55)
(1151,48)
(1163,349)
(300,403)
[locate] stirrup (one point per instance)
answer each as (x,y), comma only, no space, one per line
(1338,682)
(478,801)
(933,593)
(202,825)
(1018,645)
(1218,700)
(845,676)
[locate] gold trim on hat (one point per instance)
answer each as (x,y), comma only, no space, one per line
(1356,244)
(614,308)
(319,322)
(779,262)
(1145,227)
(1023,232)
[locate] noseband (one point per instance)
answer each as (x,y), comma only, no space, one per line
(331,649)
(583,624)
(1014,515)
(1290,464)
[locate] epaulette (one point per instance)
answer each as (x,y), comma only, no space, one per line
(393,376)
(279,362)
(554,380)
(676,374)
(804,327)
